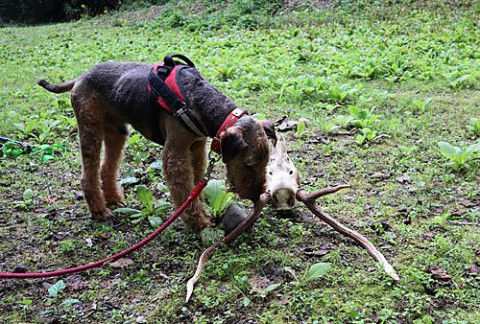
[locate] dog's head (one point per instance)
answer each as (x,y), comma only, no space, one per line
(245,149)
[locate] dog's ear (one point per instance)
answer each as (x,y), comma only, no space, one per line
(269,129)
(232,143)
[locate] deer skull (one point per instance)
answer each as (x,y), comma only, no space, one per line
(283,178)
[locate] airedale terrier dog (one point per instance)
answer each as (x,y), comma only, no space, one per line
(110,96)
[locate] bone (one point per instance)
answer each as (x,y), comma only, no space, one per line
(309,201)
(283,177)
(265,198)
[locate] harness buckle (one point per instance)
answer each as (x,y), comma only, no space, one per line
(163,71)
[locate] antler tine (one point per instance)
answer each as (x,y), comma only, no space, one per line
(247,223)
(323,192)
(309,201)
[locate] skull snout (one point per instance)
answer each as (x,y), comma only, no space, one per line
(283,199)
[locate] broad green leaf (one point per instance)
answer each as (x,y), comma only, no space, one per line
(272,287)
(70,302)
(258,116)
(214,188)
(162,208)
(317,270)
(474,148)
(57,288)
(301,128)
(27,302)
(155,221)
(354,111)
(221,202)
(126,211)
(360,139)
(28,194)
(446,148)
(129,181)
(145,196)
(157,165)
(47,157)
(136,218)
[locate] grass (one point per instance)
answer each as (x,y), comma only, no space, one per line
(414,68)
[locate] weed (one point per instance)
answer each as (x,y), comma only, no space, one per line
(460,158)
(154,213)
(474,126)
(57,288)
(367,135)
(218,198)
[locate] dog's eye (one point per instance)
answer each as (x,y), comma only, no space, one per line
(271,173)
(291,172)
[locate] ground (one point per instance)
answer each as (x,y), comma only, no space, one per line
(382,89)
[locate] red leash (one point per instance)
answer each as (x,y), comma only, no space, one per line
(196,191)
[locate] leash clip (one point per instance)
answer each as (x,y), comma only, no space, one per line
(214,158)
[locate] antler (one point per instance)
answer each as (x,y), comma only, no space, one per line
(309,201)
(247,223)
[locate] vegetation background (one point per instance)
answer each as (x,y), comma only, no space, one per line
(391,92)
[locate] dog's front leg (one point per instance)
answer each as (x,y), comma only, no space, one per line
(199,161)
(178,163)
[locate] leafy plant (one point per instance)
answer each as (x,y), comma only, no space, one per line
(362,118)
(316,271)
(217,196)
(46,152)
(328,127)
(419,105)
(460,158)
(151,211)
(367,135)
(457,80)
(474,126)
(312,272)
(57,288)
(28,200)
(301,128)
(342,93)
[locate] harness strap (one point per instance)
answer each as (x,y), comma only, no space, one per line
(166,97)
(163,85)
(229,122)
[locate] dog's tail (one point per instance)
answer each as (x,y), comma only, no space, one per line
(58,88)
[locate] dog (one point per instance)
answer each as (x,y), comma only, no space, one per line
(110,96)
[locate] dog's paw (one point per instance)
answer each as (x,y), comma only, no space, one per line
(103,215)
(117,203)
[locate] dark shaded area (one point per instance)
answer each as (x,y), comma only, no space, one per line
(35,11)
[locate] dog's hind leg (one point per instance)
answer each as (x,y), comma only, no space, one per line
(90,131)
(114,140)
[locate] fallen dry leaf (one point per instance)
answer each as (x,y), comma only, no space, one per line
(259,283)
(122,263)
(439,274)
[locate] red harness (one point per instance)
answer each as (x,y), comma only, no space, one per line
(171,82)
(163,83)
